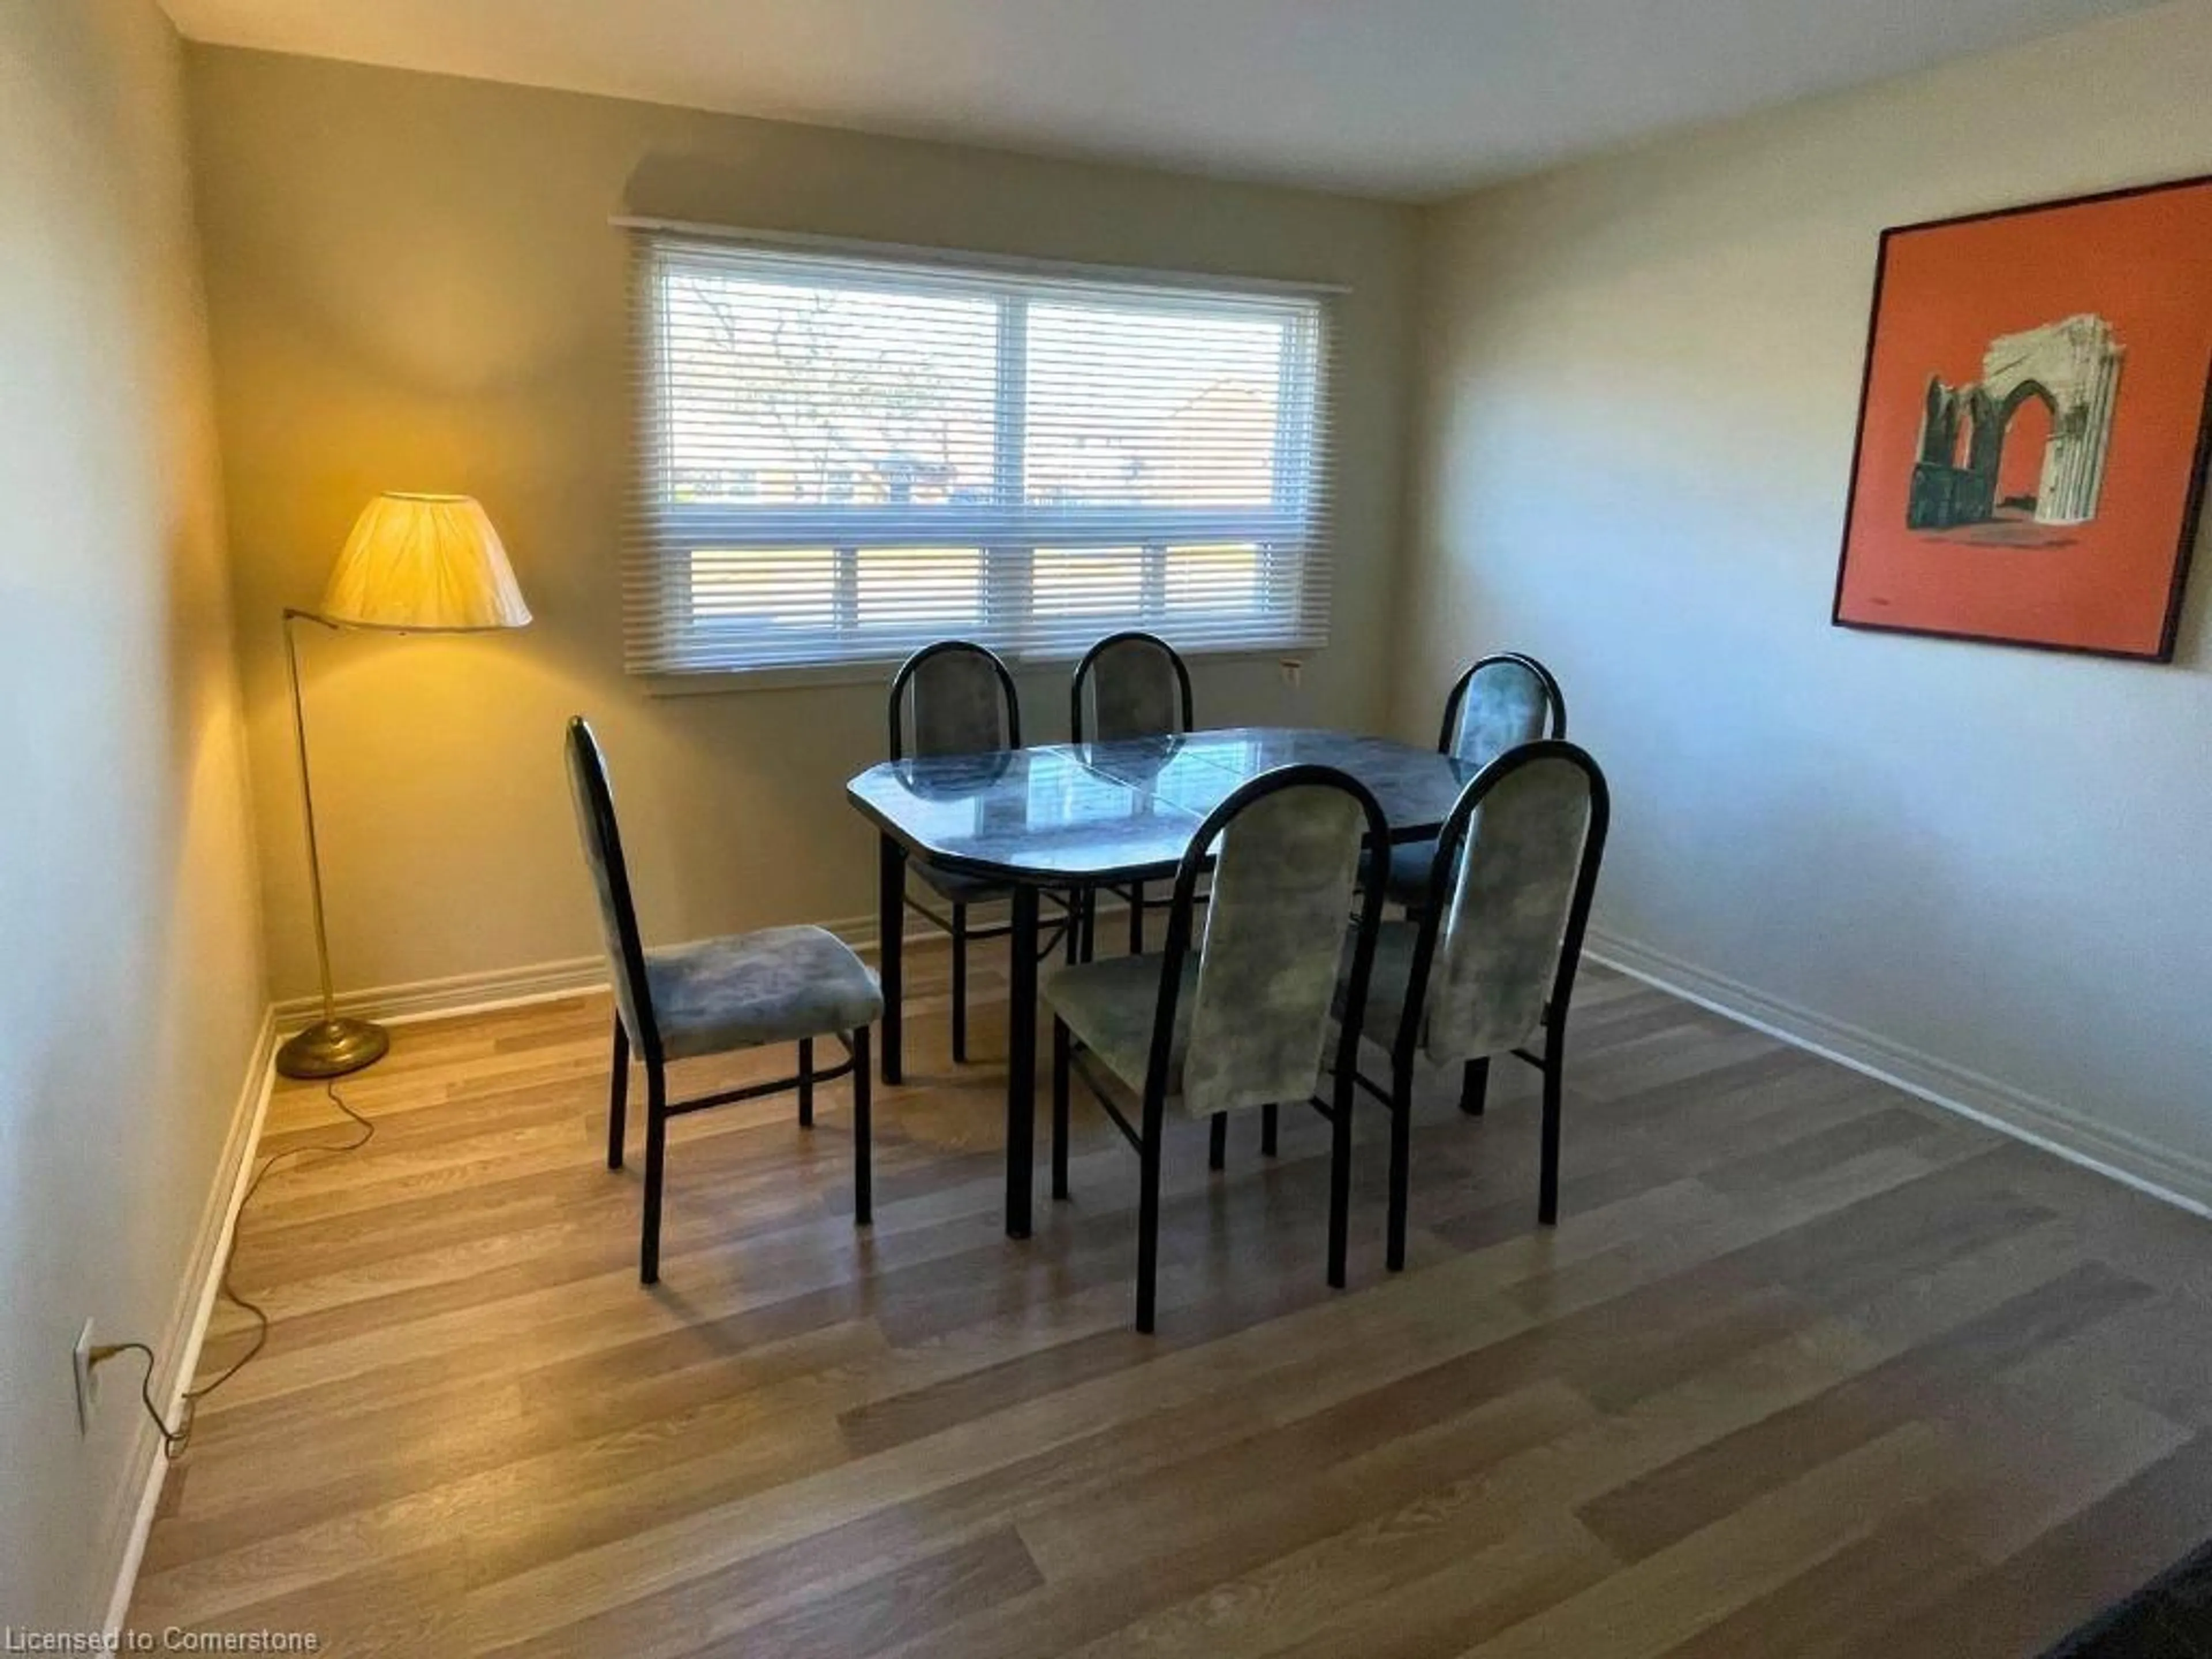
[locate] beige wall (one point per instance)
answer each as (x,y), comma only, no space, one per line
(415,286)
(1985,868)
(131,986)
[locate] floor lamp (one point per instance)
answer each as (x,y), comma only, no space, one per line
(415,564)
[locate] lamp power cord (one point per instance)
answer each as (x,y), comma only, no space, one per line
(175,1440)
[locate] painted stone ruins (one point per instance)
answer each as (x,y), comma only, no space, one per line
(2072,367)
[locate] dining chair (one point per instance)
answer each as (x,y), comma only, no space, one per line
(1487,962)
(956,697)
(1499,701)
(1130,685)
(713,996)
(1502,699)
(1240,1017)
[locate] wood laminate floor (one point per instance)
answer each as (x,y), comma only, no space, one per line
(1808,1368)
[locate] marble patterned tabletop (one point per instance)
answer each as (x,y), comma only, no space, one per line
(1112,811)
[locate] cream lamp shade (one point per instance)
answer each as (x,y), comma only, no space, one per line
(425,564)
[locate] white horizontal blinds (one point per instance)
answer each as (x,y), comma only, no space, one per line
(844,456)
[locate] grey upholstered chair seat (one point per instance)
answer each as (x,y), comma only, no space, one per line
(957,888)
(779,985)
(1111,1006)
(1407,882)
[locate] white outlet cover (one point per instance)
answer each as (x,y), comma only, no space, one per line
(87,1379)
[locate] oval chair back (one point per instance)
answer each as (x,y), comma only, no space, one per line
(603,852)
(1285,851)
(1501,700)
(1131,684)
(1501,934)
(954,697)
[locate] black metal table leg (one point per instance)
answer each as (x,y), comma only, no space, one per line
(890,948)
(1021,1063)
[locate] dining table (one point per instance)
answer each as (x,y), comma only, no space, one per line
(1068,819)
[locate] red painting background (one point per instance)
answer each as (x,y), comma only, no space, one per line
(2142,262)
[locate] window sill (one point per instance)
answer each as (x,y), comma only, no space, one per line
(721,682)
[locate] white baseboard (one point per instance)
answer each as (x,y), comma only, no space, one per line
(188,1324)
(2160,1171)
(459,994)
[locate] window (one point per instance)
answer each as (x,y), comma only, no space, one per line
(844,456)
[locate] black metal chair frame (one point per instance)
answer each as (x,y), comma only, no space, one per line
(955,924)
(1134,894)
(1146,1134)
(659,1109)
(1406,1043)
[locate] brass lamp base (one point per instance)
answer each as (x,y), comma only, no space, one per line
(331,1047)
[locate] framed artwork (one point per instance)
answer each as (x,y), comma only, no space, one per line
(2034,424)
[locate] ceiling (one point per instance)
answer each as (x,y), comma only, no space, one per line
(1408,98)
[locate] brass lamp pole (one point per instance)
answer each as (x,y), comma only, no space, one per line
(331,1047)
(414,564)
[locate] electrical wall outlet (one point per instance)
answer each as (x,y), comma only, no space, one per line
(87,1379)
(1293,671)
